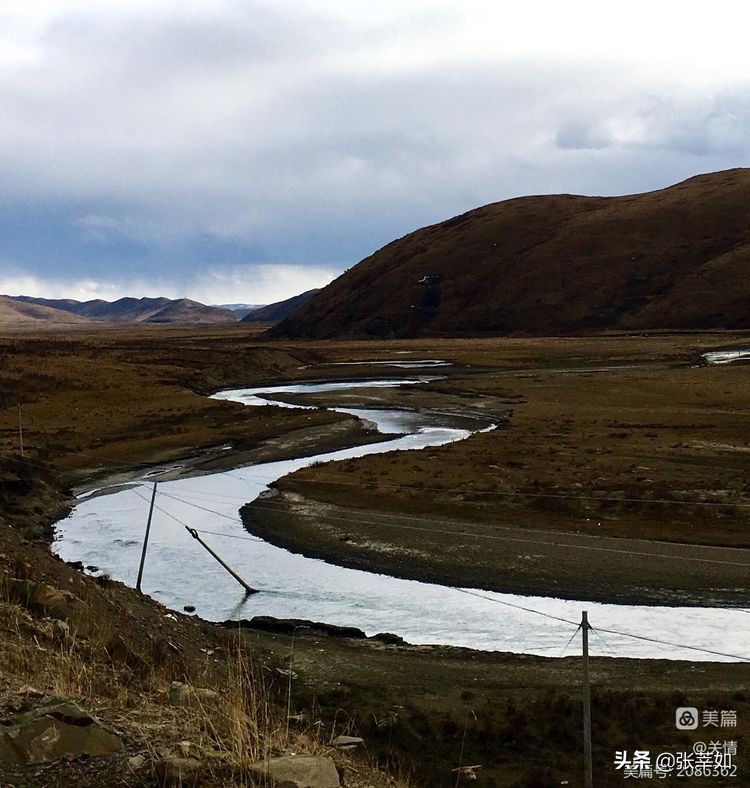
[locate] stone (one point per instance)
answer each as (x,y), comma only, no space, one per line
(347,742)
(189,697)
(9,755)
(57,730)
(175,771)
(42,599)
(136,763)
(299,771)
(389,639)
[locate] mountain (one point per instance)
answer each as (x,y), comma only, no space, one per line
(14,312)
(186,311)
(676,258)
(240,310)
(138,310)
(273,313)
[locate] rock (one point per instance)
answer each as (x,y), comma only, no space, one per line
(30,692)
(54,731)
(9,755)
(298,771)
(188,749)
(347,742)
(45,600)
(189,608)
(290,626)
(175,771)
(190,697)
(389,639)
(136,763)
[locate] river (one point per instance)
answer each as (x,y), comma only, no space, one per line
(105,530)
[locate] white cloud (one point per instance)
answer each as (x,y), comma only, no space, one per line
(261,284)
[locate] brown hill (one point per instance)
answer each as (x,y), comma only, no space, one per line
(273,313)
(186,311)
(14,312)
(558,264)
(138,310)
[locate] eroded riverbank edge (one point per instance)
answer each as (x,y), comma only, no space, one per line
(566,566)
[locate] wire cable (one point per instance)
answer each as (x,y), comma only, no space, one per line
(562,653)
(675,645)
(603,641)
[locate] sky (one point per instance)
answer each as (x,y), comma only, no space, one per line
(241,151)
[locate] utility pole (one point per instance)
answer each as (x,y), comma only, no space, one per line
(587,764)
(20,428)
(248,589)
(145,539)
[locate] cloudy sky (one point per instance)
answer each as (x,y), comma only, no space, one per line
(234,150)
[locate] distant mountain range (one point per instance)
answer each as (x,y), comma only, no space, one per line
(136,310)
(28,310)
(678,258)
(14,312)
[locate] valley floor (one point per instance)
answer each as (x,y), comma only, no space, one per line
(628,437)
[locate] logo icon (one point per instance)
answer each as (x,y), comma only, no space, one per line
(686,718)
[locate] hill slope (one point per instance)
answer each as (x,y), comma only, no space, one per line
(138,310)
(273,313)
(186,311)
(14,312)
(557,264)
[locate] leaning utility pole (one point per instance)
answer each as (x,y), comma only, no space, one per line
(587,765)
(20,428)
(145,539)
(248,589)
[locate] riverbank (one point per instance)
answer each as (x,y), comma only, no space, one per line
(618,483)
(502,558)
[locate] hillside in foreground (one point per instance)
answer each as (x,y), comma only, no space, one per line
(677,258)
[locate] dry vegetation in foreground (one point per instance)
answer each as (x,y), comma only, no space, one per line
(64,635)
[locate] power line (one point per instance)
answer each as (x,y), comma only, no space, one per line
(529,609)
(334,478)
(495,537)
(562,653)
(675,645)
(513,605)
(603,641)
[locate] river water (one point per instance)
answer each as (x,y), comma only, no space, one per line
(105,529)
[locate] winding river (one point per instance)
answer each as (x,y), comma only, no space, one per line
(106,527)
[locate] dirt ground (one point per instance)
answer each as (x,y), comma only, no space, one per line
(423,710)
(120,399)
